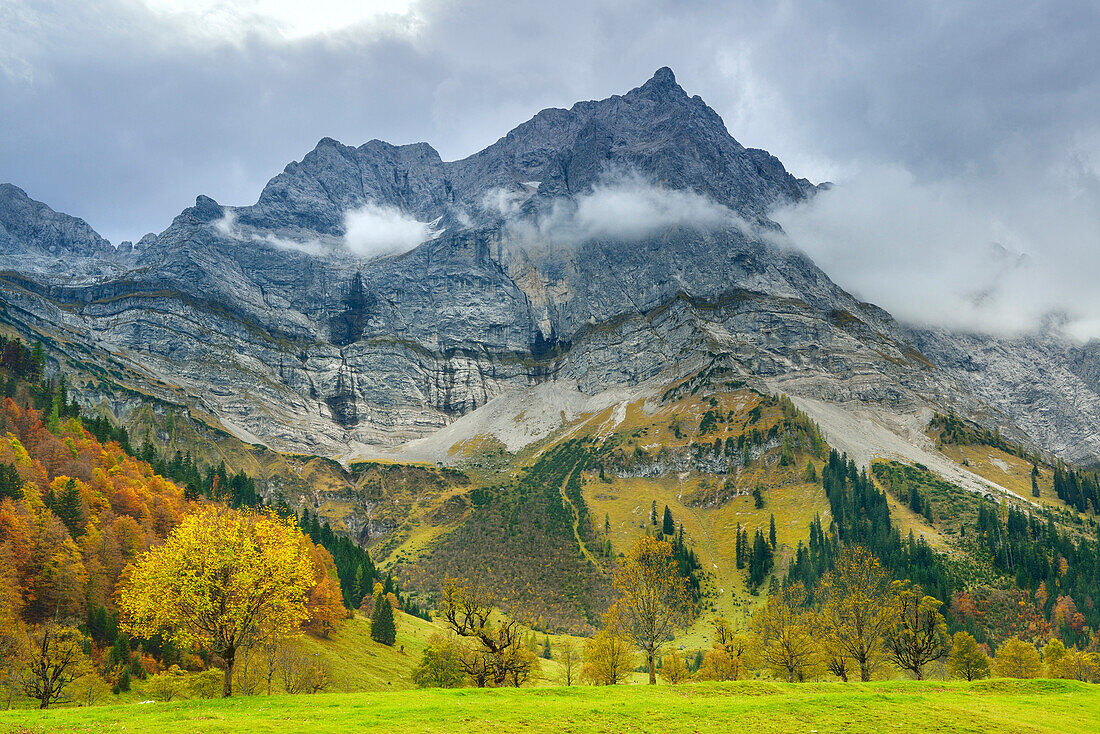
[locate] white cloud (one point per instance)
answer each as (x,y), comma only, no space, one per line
(502,201)
(373,230)
(227,225)
(626,207)
(369,231)
(290,19)
(957,253)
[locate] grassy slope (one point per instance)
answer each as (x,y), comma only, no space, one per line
(709,529)
(358,663)
(711,532)
(767,708)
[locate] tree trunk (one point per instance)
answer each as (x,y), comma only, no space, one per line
(918,671)
(227,682)
(864,671)
(44,702)
(652,668)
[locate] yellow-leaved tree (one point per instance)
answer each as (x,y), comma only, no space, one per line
(655,597)
(223,580)
(788,634)
(858,609)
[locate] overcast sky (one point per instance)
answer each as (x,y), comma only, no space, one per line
(965,137)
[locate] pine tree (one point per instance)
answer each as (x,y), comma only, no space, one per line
(607,524)
(1035,480)
(739,549)
(69,507)
(653,514)
(11,484)
(669,525)
(758,497)
(546,648)
(771,533)
(382,628)
(357,587)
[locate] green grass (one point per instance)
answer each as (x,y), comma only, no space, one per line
(760,707)
(358,663)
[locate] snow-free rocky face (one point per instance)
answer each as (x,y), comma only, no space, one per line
(595,251)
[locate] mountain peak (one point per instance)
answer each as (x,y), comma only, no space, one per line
(663,77)
(662,85)
(29,226)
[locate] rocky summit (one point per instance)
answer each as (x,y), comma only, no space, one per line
(376,299)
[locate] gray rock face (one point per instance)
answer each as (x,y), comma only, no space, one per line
(30,227)
(656,130)
(261,317)
(1046,384)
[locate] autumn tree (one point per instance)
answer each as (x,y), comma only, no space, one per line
(51,656)
(325,602)
(655,597)
(167,684)
(787,634)
(673,669)
(729,656)
(858,608)
(1078,665)
(223,580)
(440,664)
(302,672)
(568,657)
(1053,652)
(1017,659)
(609,655)
(501,656)
(918,634)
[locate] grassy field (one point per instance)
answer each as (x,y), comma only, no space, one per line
(1001,706)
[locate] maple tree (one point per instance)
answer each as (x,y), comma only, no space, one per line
(51,656)
(223,579)
(655,597)
(1017,659)
(918,634)
(609,656)
(786,630)
(966,658)
(858,608)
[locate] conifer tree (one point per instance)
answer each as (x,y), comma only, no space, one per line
(382,627)
(771,532)
(11,484)
(739,549)
(668,523)
(69,507)
(653,514)
(357,588)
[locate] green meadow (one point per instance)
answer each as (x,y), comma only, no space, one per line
(1000,706)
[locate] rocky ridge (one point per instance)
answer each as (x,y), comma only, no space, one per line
(262,318)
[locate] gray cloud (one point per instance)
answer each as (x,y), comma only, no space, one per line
(975,123)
